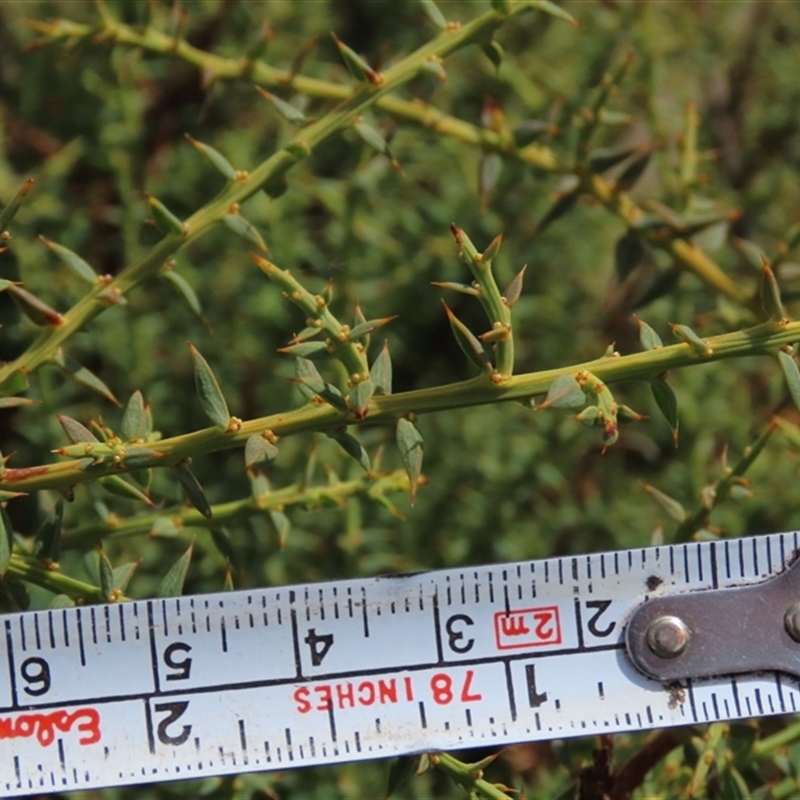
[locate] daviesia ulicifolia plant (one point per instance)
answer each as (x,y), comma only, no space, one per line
(292,237)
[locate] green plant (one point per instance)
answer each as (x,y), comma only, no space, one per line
(343,203)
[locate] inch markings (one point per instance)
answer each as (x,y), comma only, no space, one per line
(219,684)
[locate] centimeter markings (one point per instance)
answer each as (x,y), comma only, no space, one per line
(214,684)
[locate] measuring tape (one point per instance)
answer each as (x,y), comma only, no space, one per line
(157,690)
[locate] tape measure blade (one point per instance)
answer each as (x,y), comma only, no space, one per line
(246,681)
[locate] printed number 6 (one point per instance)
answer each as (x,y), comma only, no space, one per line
(35,671)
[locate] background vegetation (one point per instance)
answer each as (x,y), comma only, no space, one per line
(701,98)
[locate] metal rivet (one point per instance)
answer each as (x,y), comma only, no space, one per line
(792,621)
(668,637)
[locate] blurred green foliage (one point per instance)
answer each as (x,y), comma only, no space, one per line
(100,124)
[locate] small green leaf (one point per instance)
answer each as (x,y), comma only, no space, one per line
(282,526)
(461,288)
(117,485)
(770,293)
(493,50)
(466,249)
(165,527)
(356,65)
(434,14)
(489,170)
(675,510)
(381,371)
(751,252)
(330,394)
(400,771)
(470,345)
(792,375)
(106,575)
(368,326)
(121,576)
(258,451)
(16,402)
(626,414)
(62,601)
(289,112)
(216,158)
(83,376)
(667,404)
(227,584)
(211,398)
(222,541)
(36,310)
(75,263)
(410,444)
(6,541)
(529,130)
(605,158)
(8,212)
(699,346)
(276,186)
(514,289)
(554,11)
(492,249)
(172,585)
(307,333)
(629,252)
(258,46)
(562,204)
(733,786)
(359,397)
(305,370)
(607,116)
(564,392)
(647,336)
(433,65)
(239,225)
(4,283)
(306,350)
(139,457)
(193,491)
(298,150)
(47,543)
(631,174)
(134,420)
(352,447)
(590,415)
(15,383)
(375,140)
(360,319)
(165,220)
(185,289)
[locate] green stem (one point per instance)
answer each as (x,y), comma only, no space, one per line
(687,256)
(761,339)
(277,500)
(32,570)
(722,490)
(769,744)
(464,776)
(357,101)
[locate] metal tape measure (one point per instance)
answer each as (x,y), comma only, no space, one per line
(159,690)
